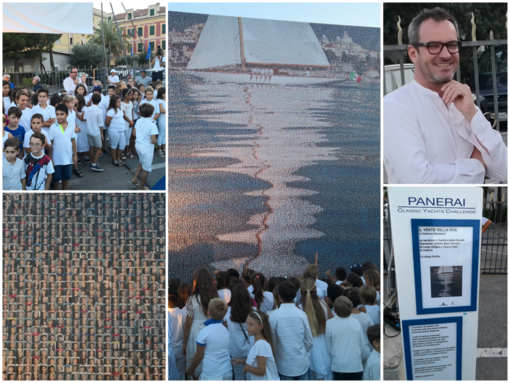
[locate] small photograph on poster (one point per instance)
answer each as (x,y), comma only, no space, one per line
(445,281)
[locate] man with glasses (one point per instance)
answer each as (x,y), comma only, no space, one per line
(73,80)
(433,131)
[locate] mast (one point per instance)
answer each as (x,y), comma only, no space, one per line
(241,39)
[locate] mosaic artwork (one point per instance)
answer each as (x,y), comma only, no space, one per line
(273,145)
(84,287)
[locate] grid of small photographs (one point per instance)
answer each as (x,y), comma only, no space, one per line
(84,287)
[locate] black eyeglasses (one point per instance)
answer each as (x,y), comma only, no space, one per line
(436,48)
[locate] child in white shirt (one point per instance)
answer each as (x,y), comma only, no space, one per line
(212,345)
(145,134)
(368,295)
(149,99)
(372,369)
(344,338)
(177,320)
(43,108)
(260,363)
(127,107)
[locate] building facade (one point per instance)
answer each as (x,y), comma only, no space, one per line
(144,27)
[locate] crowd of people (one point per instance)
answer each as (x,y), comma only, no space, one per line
(47,137)
(229,326)
(84,287)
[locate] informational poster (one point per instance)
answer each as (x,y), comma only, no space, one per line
(444,264)
(433,348)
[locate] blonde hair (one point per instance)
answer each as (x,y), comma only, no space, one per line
(218,308)
(368,294)
(372,278)
(68,98)
(312,307)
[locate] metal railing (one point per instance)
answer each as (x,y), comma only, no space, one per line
(54,80)
(398,53)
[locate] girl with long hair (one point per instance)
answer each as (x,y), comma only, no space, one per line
(203,291)
(184,292)
(317,313)
(264,299)
(240,342)
(261,361)
(372,278)
(6,93)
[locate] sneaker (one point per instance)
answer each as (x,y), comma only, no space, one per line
(96,168)
(86,159)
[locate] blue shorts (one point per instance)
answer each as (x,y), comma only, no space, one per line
(62,173)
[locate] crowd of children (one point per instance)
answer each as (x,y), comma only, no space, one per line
(247,327)
(45,138)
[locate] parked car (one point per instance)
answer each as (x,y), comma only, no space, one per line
(485,80)
(393,79)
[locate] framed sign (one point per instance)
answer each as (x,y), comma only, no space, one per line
(433,348)
(446,257)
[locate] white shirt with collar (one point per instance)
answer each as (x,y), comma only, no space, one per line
(70,86)
(293,339)
(26,116)
(13,174)
(427,142)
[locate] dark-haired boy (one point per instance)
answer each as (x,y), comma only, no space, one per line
(146,135)
(64,155)
(43,108)
(13,170)
(36,127)
(95,136)
(38,166)
(372,369)
(292,335)
(17,131)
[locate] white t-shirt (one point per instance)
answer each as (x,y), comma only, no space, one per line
(161,115)
(13,174)
(372,369)
(26,116)
(128,112)
(239,346)
(7,102)
(144,130)
(216,360)
(225,294)
(263,348)
(157,65)
(113,79)
(154,103)
(117,122)
(26,140)
(267,303)
(71,117)
(103,105)
(47,113)
(374,312)
(94,117)
(38,181)
(62,144)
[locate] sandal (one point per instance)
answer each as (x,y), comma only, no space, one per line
(131,156)
(78,172)
(123,157)
(161,153)
(118,163)
(135,185)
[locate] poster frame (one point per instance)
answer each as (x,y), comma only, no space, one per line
(475,224)
(417,322)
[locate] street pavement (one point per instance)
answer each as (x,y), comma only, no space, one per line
(113,177)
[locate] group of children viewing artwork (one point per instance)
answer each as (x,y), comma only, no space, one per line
(248,327)
(45,138)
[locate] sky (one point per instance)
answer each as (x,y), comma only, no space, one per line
(359,14)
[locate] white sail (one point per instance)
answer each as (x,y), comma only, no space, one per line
(445,269)
(264,41)
(281,43)
(218,45)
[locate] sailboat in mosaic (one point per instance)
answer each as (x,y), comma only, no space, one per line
(245,50)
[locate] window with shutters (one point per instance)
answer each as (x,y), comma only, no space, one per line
(152,29)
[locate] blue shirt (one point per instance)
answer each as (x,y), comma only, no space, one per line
(18,133)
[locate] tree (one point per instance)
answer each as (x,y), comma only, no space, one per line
(19,46)
(141,58)
(86,55)
(111,39)
(122,61)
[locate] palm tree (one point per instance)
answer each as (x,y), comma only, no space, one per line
(111,38)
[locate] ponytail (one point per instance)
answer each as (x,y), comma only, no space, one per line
(258,281)
(312,307)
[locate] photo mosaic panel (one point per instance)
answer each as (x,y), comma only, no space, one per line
(84,287)
(274,145)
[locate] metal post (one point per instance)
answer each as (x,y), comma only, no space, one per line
(477,84)
(120,37)
(105,70)
(495,86)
